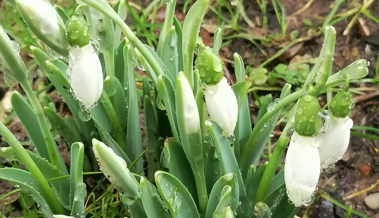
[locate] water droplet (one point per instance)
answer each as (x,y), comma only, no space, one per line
(308,98)
(16,47)
(231,139)
(75,52)
(352,105)
(330,168)
(84,116)
(299,111)
(334,102)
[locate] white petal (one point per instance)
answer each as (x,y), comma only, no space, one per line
(335,141)
(86,75)
(191,114)
(42,13)
(222,105)
(302,169)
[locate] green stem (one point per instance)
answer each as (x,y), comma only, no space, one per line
(170,9)
(50,143)
(273,163)
(120,136)
(201,188)
(33,169)
(107,10)
(109,62)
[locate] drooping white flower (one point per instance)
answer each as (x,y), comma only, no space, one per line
(85,75)
(222,105)
(302,168)
(335,140)
(42,13)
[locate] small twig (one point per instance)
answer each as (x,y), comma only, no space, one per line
(361,192)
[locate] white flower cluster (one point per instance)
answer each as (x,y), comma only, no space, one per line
(306,157)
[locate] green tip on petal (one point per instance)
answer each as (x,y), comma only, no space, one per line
(210,66)
(341,104)
(307,120)
(78,31)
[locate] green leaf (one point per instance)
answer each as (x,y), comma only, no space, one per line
(118,101)
(176,196)
(62,128)
(133,137)
(50,172)
(166,93)
(28,185)
(58,68)
(217,42)
(73,127)
(285,209)
(175,160)
(191,27)
(276,190)
(29,119)
(216,198)
(119,64)
(227,156)
(78,190)
(170,54)
(152,202)
(62,13)
(214,167)
(179,34)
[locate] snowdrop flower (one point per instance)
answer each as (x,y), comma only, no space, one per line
(336,138)
(85,75)
(222,105)
(302,169)
(302,166)
(220,99)
(84,70)
(44,21)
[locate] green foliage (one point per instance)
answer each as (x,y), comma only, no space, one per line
(191,168)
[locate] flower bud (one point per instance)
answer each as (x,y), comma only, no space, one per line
(341,104)
(85,75)
(222,105)
(210,66)
(44,22)
(335,140)
(78,31)
(188,102)
(10,59)
(307,120)
(302,169)
(116,170)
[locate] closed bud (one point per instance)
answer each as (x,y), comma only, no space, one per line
(78,31)
(116,170)
(44,22)
(85,75)
(307,120)
(222,105)
(13,66)
(210,66)
(341,104)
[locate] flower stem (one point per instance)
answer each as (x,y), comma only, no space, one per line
(201,188)
(33,169)
(107,10)
(273,163)
(120,136)
(50,143)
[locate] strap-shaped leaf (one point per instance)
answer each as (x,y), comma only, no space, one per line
(151,201)
(62,128)
(176,161)
(229,160)
(133,137)
(29,119)
(215,198)
(78,190)
(24,180)
(176,196)
(170,54)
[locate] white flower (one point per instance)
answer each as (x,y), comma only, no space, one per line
(41,12)
(302,168)
(85,75)
(222,105)
(191,114)
(335,141)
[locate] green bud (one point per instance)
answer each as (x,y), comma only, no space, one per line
(307,120)
(210,66)
(341,104)
(78,31)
